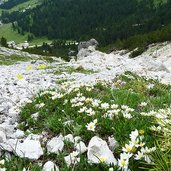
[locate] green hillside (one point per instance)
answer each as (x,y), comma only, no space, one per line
(20,7)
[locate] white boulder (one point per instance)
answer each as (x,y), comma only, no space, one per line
(30,149)
(112,143)
(50,166)
(81,147)
(98,149)
(72,158)
(69,138)
(55,145)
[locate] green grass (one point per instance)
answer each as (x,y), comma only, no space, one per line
(32,3)
(10,60)
(70,70)
(7,32)
(129,90)
(11,35)
(22,6)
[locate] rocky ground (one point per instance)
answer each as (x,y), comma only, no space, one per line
(19,83)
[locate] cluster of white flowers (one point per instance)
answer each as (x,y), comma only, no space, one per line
(40,105)
(162,120)
(134,149)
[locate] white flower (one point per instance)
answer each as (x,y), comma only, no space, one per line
(2,162)
(95,121)
(124,107)
(134,135)
(125,156)
(150,86)
(77,104)
(143,104)
(123,162)
(89,100)
(2,169)
(127,115)
(24,169)
(57,96)
(111,169)
(128,148)
(90,112)
(82,110)
(114,106)
(139,156)
(40,105)
(95,103)
(105,106)
(91,126)
(88,88)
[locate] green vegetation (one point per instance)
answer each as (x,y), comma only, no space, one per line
(20,5)
(30,3)
(9,60)
(95,103)
(7,32)
(70,70)
(106,21)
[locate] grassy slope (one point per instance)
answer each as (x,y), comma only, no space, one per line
(31,3)
(11,35)
(7,32)
(55,112)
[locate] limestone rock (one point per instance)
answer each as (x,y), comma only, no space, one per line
(98,148)
(81,147)
(69,138)
(72,158)
(112,143)
(2,136)
(30,149)
(85,45)
(50,166)
(55,145)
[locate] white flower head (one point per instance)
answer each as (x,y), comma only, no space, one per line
(143,104)
(105,106)
(134,135)
(139,156)
(128,148)
(91,126)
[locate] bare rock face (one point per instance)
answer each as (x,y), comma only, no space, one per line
(2,136)
(98,151)
(85,45)
(86,48)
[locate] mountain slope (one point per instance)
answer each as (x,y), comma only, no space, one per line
(106,21)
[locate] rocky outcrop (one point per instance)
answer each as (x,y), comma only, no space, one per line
(86,48)
(85,45)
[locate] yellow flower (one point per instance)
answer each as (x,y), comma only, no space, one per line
(19,76)
(42,66)
(102,159)
(141,132)
(29,68)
